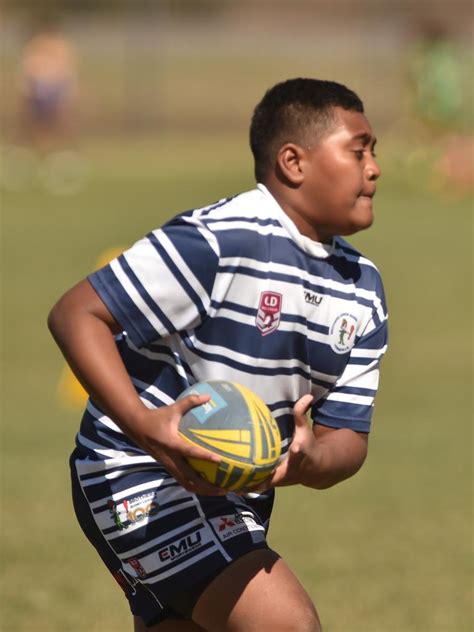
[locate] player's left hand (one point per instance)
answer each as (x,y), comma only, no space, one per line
(302,446)
(288,472)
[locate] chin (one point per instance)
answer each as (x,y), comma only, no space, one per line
(361,222)
(363,217)
(367,222)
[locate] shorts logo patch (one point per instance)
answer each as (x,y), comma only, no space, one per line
(137,567)
(232,525)
(226,522)
(342,333)
(129,511)
(269,312)
(181,547)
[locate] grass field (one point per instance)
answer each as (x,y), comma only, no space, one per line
(388,551)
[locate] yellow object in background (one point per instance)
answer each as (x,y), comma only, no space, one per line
(107,256)
(70,392)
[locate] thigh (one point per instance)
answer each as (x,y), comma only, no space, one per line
(166,626)
(256,592)
(162,544)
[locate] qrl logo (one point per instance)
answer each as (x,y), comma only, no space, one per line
(269,312)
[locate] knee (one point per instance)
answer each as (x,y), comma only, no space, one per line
(301,619)
(307,621)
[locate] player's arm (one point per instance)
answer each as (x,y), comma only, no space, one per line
(84,329)
(323,456)
(320,457)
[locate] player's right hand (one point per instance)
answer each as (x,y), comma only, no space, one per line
(156,431)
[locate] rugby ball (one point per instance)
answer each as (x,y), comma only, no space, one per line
(236,425)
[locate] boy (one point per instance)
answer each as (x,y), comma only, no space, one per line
(259,289)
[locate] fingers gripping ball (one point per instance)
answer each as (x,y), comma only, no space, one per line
(236,425)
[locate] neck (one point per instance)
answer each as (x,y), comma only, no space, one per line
(289,200)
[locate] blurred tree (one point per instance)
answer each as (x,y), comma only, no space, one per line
(440,79)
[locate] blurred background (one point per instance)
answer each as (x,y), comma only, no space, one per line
(117,114)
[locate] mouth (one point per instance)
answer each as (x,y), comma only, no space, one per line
(368,194)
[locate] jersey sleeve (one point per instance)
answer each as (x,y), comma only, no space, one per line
(350,402)
(163,283)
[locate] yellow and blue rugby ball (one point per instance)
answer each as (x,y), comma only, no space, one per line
(236,425)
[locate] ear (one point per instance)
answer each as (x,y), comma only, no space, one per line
(289,160)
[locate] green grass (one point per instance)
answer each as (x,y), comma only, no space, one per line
(387,551)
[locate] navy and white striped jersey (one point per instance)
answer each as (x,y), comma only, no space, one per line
(233,291)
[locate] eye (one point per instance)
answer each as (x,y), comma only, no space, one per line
(359,153)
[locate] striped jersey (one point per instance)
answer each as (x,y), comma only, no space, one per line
(233,291)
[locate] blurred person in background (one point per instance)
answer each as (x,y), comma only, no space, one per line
(46,147)
(442,97)
(48,75)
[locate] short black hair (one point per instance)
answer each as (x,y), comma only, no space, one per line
(291,109)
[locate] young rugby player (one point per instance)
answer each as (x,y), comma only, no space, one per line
(260,289)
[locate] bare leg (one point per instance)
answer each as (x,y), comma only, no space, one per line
(257,592)
(167,626)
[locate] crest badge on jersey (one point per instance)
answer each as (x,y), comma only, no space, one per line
(342,333)
(269,312)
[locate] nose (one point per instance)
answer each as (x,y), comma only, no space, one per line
(373,169)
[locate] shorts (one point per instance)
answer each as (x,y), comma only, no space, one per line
(46,99)
(163,544)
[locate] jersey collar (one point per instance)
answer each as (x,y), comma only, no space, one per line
(314,248)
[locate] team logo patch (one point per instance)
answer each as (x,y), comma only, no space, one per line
(342,333)
(269,311)
(235,524)
(137,567)
(132,510)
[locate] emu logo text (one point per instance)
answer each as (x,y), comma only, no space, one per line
(313,299)
(269,312)
(180,547)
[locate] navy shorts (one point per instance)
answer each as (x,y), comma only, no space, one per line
(163,544)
